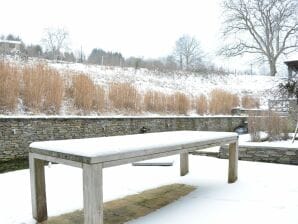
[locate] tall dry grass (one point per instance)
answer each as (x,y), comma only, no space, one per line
(43,89)
(99,99)
(9,87)
(155,102)
(221,101)
(86,95)
(124,97)
(182,103)
(250,102)
(255,126)
(201,104)
(276,126)
(177,103)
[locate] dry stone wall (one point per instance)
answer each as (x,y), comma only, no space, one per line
(16,133)
(264,154)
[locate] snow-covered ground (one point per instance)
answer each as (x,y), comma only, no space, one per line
(168,82)
(264,193)
(192,84)
(245,140)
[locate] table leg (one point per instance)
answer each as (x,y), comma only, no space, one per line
(92,190)
(233,162)
(183,164)
(38,189)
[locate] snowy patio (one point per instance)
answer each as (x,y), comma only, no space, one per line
(264,193)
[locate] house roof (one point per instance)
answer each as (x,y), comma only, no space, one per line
(10,41)
(292,64)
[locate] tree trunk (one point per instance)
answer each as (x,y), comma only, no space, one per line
(181,62)
(272,65)
(187,62)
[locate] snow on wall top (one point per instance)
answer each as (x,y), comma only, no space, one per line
(10,41)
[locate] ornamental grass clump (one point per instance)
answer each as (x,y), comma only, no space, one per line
(9,87)
(124,97)
(86,95)
(275,126)
(42,89)
(250,102)
(222,102)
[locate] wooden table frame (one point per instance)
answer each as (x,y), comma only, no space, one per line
(92,173)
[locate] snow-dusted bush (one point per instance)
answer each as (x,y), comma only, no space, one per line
(182,103)
(124,97)
(277,127)
(9,87)
(274,125)
(201,104)
(43,89)
(250,102)
(154,101)
(86,95)
(222,102)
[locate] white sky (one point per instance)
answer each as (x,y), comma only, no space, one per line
(146,28)
(134,27)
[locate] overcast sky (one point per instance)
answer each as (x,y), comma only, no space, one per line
(147,28)
(134,27)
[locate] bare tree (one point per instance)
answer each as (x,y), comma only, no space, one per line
(54,40)
(188,52)
(267,28)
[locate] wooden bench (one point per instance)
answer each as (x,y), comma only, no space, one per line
(94,154)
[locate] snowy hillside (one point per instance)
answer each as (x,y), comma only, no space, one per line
(192,84)
(47,87)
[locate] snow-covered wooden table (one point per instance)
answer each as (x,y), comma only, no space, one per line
(94,154)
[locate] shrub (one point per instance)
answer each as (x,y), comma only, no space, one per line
(182,103)
(177,103)
(255,126)
(86,95)
(250,102)
(43,89)
(9,87)
(124,97)
(170,102)
(221,101)
(83,92)
(277,127)
(273,124)
(54,92)
(201,104)
(155,102)
(99,98)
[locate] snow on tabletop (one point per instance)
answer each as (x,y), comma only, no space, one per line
(103,146)
(264,192)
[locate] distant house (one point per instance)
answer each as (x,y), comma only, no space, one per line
(10,46)
(292,69)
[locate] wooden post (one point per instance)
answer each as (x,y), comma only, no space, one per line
(38,189)
(183,164)
(92,190)
(233,162)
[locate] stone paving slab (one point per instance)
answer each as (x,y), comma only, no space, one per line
(131,207)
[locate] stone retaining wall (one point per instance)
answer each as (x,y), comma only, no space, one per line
(17,133)
(264,154)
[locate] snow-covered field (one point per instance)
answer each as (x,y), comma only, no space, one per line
(264,193)
(167,82)
(192,84)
